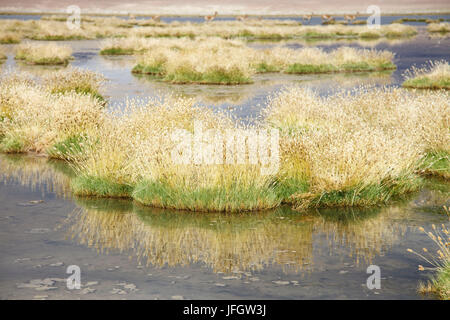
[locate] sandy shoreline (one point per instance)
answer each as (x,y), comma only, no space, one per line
(141,14)
(232,7)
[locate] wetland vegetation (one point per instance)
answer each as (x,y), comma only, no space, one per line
(435,76)
(368,149)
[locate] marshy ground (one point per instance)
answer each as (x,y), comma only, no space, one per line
(71,114)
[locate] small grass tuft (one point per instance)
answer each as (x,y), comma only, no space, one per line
(12,144)
(68,149)
(434,76)
(100,187)
(436,163)
(44,54)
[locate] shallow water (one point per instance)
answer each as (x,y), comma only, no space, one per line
(127,251)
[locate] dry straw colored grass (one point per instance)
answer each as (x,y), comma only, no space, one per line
(132,157)
(232,29)
(357,149)
(345,150)
(443,27)
(34,119)
(219,61)
(9,37)
(44,54)
(92,28)
(75,79)
(434,76)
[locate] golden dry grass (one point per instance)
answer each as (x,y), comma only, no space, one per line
(74,79)
(34,118)
(443,27)
(355,142)
(434,76)
(44,54)
(133,156)
(357,148)
(91,28)
(219,61)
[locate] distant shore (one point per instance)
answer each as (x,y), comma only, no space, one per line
(92,13)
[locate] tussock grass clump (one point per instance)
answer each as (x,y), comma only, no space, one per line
(443,27)
(75,79)
(217,61)
(9,37)
(133,152)
(44,54)
(397,31)
(58,31)
(434,76)
(104,27)
(232,29)
(34,119)
(358,149)
(315,60)
(133,45)
(214,62)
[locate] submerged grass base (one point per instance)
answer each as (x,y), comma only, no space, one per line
(232,199)
(328,68)
(212,76)
(11,144)
(427,83)
(116,51)
(436,163)
(184,75)
(439,285)
(83,90)
(100,187)
(147,69)
(67,149)
(359,196)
